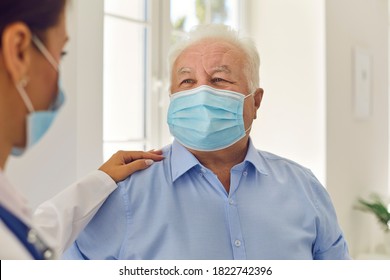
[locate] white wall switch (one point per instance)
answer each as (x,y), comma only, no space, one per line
(362,84)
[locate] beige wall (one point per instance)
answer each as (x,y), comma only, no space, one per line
(357,151)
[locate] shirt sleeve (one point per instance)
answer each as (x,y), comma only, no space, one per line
(330,243)
(61,219)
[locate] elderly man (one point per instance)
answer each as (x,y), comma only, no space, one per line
(215,196)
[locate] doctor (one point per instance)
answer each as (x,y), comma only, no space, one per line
(32,37)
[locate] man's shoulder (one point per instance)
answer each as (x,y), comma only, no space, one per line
(157,171)
(277,162)
(293,175)
(271,157)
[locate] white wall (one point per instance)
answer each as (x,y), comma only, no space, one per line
(73,146)
(291,119)
(357,151)
(306,51)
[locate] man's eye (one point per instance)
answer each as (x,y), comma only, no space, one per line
(218,80)
(188,81)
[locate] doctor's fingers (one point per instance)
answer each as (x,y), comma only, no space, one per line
(119,171)
(129,156)
(124,163)
(126,170)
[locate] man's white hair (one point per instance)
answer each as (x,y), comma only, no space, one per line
(227,34)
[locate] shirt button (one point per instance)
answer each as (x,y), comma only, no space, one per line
(245,173)
(48,254)
(237,243)
(231,201)
(32,236)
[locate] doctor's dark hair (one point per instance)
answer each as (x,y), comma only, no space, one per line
(38,15)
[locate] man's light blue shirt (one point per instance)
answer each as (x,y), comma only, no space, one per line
(178,209)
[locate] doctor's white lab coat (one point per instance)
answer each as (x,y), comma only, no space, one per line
(59,220)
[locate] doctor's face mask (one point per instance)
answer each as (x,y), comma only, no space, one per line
(207,119)
(38,122)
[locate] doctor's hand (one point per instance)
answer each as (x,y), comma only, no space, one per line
(124,163)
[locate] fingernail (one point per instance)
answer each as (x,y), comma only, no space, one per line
(149,161)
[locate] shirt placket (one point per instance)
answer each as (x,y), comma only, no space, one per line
(233,217)
(231,208)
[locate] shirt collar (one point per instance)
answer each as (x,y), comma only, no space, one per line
(182,160)
(254,157)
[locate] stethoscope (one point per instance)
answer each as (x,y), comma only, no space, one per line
(27,236)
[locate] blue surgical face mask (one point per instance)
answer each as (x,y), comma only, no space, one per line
(207,119)
(38,122)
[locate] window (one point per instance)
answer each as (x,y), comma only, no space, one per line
(124,77)
(195,12)
(137,35)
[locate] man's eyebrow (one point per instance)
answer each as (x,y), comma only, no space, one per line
(222,68)
(184,70)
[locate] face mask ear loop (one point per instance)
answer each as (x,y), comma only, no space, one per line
(246,131)
(20,87)
(251,94)
(45,52)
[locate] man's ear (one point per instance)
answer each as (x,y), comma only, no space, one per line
(15,48)
(258,97)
